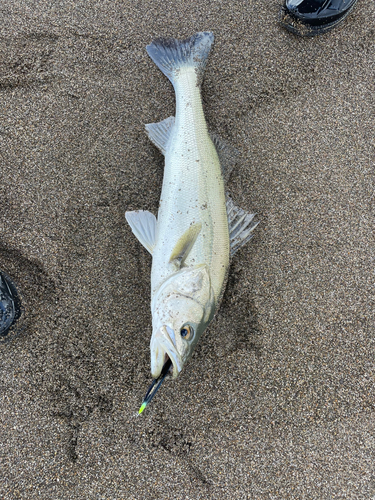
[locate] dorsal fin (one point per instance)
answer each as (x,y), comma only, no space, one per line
(160,132)
(143,225)
(227,154)
(241,226)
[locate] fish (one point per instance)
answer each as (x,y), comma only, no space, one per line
(198,227)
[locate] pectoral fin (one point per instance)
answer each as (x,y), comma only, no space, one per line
(159,133)
(143,225)
(185,244)
(241,226)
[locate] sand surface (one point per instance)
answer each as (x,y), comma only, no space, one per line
(278,400)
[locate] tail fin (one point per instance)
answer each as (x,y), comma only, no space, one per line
(171,55)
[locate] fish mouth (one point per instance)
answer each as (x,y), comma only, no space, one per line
(163,348)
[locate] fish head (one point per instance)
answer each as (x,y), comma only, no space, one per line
(181,310)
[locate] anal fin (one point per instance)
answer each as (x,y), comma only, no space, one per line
(241,225)
(143,225)
(159,133)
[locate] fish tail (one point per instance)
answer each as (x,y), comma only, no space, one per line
(170,55)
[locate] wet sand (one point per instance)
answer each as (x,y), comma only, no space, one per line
(278,399)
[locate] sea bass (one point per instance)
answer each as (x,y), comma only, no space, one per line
(198,226)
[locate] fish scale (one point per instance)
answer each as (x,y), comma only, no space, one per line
(193,190)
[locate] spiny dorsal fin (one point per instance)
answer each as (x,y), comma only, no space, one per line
(241,226)
(143,225)
(159,133)
(227,155)
(185,244)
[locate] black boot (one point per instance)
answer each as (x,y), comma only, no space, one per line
(313,17)
(10,305)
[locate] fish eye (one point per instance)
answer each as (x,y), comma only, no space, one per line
(187,332)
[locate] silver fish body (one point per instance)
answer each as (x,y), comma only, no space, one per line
(197,227)
(193,191)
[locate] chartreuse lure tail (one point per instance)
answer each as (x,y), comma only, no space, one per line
(156,383)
